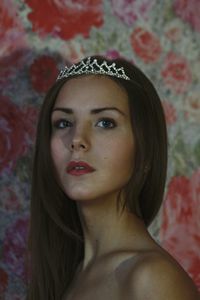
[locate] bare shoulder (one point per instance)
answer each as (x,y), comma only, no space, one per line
(156,276)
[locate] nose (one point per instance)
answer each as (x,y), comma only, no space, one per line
(80,141)
(77,145)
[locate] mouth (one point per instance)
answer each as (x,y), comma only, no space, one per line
(77,168)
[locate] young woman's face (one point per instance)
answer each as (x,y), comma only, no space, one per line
(92,143)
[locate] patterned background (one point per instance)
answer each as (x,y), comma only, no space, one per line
(36,38)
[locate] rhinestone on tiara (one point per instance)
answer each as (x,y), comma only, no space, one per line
(93,67)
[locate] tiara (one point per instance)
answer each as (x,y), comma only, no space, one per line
(91,66)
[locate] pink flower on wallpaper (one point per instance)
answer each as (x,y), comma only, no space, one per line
(112,54)
(186,253)
(179,195)
(128,11)
(146,45)
(176,73)
(180,233)
(12,134)
(12,33)
(3,282)
(170,112)
(43,73)
(14,251)
(65,19)
(189,11)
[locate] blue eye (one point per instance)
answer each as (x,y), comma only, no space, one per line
(107,123)
(61,124)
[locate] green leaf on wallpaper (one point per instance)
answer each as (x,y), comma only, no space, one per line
(97,42)
(180,155)
(197,152)
(24,168)
(100,39)
(113,37)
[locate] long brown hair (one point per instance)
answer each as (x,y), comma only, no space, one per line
(56,237)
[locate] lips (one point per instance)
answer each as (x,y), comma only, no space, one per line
(77,168)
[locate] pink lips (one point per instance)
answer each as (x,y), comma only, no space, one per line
(78,168)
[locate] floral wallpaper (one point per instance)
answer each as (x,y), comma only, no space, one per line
(37,38)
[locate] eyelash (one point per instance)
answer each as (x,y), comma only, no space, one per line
(57,123)
(111,121)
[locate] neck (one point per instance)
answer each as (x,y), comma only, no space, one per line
(106,229)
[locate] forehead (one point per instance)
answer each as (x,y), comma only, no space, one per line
(92,90)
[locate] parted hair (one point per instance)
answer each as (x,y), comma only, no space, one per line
(56,242)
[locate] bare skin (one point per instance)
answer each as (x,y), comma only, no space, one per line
(121,260)
(136,269)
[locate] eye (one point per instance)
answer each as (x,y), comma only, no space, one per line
(106,123)
(61,124)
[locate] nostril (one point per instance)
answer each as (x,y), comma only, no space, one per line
(83,146)
(78,146)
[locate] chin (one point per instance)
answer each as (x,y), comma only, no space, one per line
(79,196)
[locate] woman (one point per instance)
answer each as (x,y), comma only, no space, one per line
(98,182)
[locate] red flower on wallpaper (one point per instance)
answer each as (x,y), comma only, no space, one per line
(43,73)
(189,11)
(3,282)
(176,73)
(12,34)
(170,112)
(11,64)
(146,45)
(12,135)
(9,200)
(65,19)
(30,115)
(14,251)
(17,127)
(180,233)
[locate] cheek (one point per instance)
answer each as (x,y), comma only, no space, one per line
(125,158)
(56,151)
(120,156)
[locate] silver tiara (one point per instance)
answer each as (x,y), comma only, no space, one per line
(91,66)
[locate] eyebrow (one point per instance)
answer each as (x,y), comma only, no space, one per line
(93,111)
